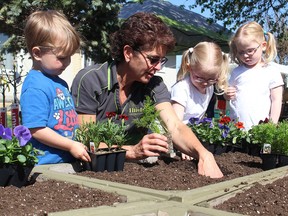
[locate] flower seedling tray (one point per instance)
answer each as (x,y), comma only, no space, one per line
(109,160)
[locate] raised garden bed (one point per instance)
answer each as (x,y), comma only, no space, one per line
(165,186)
(46,196)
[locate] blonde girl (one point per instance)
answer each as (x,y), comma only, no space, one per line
(202,68)
(256,85)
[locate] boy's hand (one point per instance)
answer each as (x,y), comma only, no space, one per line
(79,151)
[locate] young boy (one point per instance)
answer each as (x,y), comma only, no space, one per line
(46,104)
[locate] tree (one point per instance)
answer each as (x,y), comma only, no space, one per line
(11,77)
(271,14)
(94,19)
(283,49)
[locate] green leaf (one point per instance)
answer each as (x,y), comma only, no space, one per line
(21,158)
(2,149)
(28,147)
(7,159)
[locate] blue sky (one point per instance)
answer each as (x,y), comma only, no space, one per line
(186,3)
(196,10)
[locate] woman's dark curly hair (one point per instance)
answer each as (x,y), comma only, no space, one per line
(141,31)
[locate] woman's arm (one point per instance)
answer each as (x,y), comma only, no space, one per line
(179,109)
(85,118)
(186,141)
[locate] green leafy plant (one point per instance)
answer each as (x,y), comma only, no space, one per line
(87,133)
(205,130)
(108,132)
(151,120)
(222,131)
(262,133)
(280,144)
(113,133)
(15,148)
(267,132)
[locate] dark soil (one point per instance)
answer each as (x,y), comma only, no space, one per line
(48,196)
(44,197)
(176,174)
(264,200)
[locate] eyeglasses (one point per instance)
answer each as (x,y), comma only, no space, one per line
(154,60)
(249,52)
(201,80)
(48,48)
(53,51)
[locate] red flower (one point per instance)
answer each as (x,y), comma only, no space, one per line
(125,117)
(110,115)
(264,122)
(225,120)
(239,125)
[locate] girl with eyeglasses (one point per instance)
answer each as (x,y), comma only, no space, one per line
(202,69)
(256,85)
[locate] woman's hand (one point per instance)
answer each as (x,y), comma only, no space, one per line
(207,166)
(151,145)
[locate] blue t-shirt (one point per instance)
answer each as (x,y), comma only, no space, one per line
(46,102)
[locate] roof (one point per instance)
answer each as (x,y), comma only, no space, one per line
(188,27)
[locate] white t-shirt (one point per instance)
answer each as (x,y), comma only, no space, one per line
(253,102)
(195,103)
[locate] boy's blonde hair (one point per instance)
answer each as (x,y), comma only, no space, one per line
(206,57)
(255,31)
(45,28)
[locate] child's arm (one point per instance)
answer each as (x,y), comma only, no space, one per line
(49,137)
(276,103)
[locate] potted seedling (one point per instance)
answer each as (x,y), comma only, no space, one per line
(113,135)
(17,156)
(219,135)
(280,145)
(262,136)
(151,120)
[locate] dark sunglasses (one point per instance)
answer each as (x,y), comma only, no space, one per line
(154,60)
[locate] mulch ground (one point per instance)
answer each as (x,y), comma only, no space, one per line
(44,196)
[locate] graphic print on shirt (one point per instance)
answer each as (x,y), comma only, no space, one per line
(64,113)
